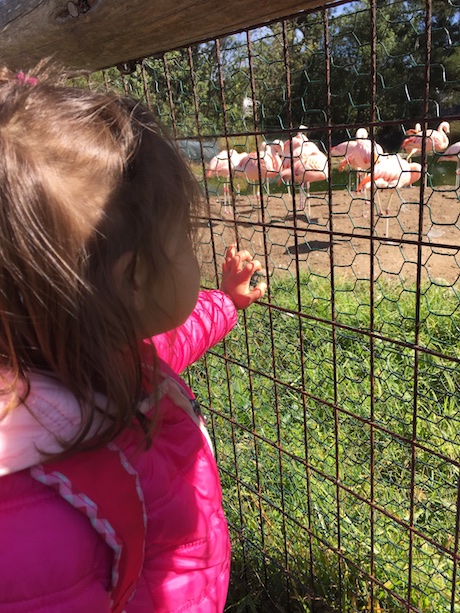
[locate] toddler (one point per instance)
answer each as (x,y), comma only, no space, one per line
(109,493)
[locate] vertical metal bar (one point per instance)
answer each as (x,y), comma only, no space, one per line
(105,79)
(172,107)
(272,342)
(428,17)
(145,86)
(244,317)
(291,126)
(327,51)
(335,396)
(455,597)
(248,352)
(373,24)
(125,84)
(260,212)
(226,135)
(203,165)
(197,118)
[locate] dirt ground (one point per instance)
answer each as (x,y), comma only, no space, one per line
(314,242)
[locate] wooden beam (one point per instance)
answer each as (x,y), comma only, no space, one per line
(94,34)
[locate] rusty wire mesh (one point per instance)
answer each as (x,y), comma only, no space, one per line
(334,405)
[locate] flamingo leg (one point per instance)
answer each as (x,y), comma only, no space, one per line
(378,204)
(306,190)
(226,210)
(387,218)
(365,202)
(387,215)
(301,198)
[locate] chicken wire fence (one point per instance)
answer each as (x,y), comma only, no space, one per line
(326,146)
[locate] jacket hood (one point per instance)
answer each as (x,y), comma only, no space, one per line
(32,429)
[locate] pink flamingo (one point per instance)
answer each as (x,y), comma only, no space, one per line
(452,154)
(299,142)
(415,130)
(392,172)
(346,149)
(220,166)
(277,147)
(360,156)
(267,160)
(306,167)
(435,140)
(361,153)
(272,154)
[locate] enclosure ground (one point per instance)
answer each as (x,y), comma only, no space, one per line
(281,239)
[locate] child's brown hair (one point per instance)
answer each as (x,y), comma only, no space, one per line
(84,178)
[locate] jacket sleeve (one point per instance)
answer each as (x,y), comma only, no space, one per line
(213,318)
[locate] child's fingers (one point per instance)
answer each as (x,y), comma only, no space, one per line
(236,260)
(251,267)
(243,256)
(231,252)
(257,292)
(230,255)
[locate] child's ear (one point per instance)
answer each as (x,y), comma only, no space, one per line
(129,275)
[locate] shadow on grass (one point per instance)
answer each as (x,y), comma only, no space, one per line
(262,584)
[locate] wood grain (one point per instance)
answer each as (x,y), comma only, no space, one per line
(109,32)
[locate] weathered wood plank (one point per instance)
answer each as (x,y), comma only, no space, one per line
(93,34)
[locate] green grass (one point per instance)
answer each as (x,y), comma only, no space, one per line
(298,419)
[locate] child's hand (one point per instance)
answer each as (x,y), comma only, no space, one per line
(237,271)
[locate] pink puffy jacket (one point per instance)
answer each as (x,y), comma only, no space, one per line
(53,560)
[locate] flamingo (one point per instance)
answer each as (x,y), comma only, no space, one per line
(298,142)
(435,140)
(266,159)
(392,172)
(343,148)
(452,154)
(306,167)
(277,147)
(301,148)
(220,166)
(274,160)
(346,148)
(360,156)
(415,130)
(361,153)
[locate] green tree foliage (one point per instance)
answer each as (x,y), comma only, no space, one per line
(282,69)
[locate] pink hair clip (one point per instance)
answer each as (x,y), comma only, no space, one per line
(21,77)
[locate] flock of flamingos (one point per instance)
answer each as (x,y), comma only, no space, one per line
(299,161)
